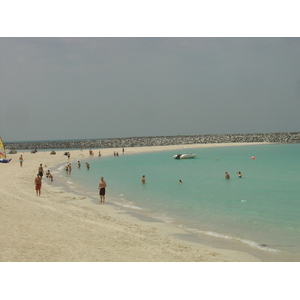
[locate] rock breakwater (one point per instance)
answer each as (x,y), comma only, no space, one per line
(281,138)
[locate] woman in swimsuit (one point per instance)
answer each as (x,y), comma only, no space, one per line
(21,161)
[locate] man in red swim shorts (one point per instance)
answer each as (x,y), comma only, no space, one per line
(38,184)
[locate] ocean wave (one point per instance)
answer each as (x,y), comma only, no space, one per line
(125,203)
(132,206)
(164,218)
(244,241)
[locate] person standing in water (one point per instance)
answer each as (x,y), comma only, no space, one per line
(143,179)
(239,174)
(227,176)
(101,187)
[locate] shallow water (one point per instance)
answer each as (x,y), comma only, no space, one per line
(261,209)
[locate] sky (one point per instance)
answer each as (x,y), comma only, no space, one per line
(110,87)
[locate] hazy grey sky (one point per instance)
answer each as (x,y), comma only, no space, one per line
(81,88)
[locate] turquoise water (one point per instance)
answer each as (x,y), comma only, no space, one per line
(261,209)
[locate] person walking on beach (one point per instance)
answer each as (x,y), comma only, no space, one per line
(41,171)
(102,186)
(38,184)
(227,176)
(21,161)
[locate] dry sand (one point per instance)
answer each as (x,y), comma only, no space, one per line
(61,226)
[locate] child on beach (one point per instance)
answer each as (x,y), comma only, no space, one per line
(49,175)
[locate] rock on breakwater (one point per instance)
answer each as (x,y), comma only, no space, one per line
(280,137)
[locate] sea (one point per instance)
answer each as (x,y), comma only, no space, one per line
(258,213)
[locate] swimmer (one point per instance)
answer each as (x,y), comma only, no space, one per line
(143,179)
(239,174)
(180,181)
(227,176)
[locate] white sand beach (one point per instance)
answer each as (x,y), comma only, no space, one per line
(60,226)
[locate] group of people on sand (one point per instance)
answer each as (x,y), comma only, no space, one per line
(68,168)
(116,153)
(39,177)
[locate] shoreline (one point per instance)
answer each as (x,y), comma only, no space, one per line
(66,226)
